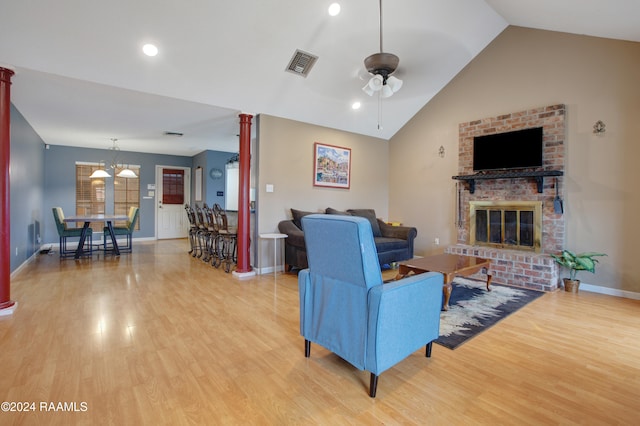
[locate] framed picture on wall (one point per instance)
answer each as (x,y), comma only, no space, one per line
(331,166)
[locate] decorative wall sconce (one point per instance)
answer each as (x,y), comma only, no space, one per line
(599,127)
(441,151)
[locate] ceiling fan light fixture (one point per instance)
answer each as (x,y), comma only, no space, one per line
(381,65)
(368,90)
(394,83)
(376,83)
(386,91)
(387,87)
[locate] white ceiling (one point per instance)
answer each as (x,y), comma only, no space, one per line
(81,78)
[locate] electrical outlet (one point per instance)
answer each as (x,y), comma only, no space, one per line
(436,241)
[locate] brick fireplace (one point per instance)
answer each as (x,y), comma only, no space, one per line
(523,266)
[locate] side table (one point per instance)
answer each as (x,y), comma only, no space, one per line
(275,237)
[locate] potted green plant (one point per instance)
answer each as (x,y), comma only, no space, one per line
(576,262)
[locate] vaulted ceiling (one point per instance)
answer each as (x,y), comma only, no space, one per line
(82,79)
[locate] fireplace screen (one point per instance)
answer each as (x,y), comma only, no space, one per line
(506,224)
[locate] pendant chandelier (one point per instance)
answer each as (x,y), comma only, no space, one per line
(124,173)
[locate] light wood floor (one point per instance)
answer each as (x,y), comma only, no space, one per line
(158,337)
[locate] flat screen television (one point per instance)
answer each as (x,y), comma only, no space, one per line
(509,150)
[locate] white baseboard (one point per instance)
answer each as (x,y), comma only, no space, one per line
(609,291)
(241,275)
(268,269)
(10,310)
(23,265)
(144,239)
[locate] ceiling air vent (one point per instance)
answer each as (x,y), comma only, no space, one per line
(301,63)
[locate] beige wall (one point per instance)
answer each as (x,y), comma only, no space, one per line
(597,79)
(285,160)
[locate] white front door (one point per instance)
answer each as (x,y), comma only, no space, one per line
(172,193)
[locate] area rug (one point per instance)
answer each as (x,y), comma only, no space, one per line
(473,309)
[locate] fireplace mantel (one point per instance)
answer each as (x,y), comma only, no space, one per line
(537,175)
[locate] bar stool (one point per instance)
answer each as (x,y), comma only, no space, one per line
(226,240)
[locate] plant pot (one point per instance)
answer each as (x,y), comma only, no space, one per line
(570,285)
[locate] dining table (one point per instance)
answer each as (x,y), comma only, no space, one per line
(87,219)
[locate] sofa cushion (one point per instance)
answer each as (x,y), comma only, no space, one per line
(298,215)
(384,244)
(296,239)
(329,210)
(370,215)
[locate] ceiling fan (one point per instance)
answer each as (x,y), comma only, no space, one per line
(381,66)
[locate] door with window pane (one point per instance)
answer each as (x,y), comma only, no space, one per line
(172,192)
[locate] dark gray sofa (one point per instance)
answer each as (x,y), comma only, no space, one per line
(393,243)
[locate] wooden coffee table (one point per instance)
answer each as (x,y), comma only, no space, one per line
(450,265)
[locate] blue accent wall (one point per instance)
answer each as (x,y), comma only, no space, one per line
(211,160)
(26,188)
(60,178)
(218,160)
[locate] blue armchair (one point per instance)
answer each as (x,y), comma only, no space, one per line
(345,307)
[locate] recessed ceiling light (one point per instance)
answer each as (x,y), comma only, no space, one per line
(356,105)
(334,9)
(150,50)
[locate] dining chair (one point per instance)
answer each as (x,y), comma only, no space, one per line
(127,231)
(65,232)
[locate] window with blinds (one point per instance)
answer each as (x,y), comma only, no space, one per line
(91,193)
(172,186)
(126,194)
